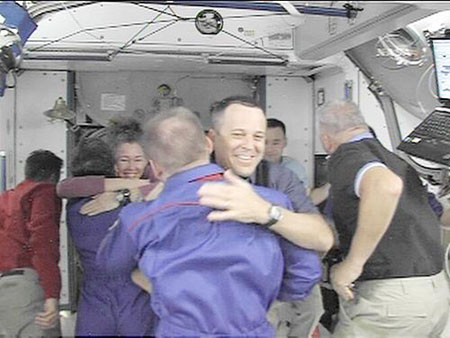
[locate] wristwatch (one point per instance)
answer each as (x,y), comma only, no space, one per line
(275,214)
(123,196)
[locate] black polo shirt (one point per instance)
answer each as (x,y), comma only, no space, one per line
(411,245)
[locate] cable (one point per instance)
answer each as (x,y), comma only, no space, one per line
(400,49)
(158,10)
(78,23)
(253,45)
(429,84)
(417,89)
(89,29)
(157,30)
(132,40)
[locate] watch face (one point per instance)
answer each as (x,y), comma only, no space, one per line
(120,197)
(275,213)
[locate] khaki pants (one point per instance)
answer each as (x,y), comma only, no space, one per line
(297,318)
(21,298)
(397,307)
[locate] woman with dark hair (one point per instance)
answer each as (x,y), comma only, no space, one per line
(109,304)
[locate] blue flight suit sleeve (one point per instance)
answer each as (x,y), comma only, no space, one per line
(302,267)
(302,270)
(118,251)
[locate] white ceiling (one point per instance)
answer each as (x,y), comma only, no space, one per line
(140,35)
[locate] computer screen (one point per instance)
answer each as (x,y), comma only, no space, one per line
(441,58)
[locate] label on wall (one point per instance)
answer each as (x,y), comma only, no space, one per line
(113,102)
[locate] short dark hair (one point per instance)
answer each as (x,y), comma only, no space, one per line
(275,123)
(43,165)
(93,156)
(217,108)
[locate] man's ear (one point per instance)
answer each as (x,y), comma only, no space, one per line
(209,145)
(211,134)
(326,142)
(157,170)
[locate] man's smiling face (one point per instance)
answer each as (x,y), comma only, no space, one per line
(240,139)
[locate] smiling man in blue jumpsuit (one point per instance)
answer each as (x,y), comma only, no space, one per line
(209,278)
(238,146)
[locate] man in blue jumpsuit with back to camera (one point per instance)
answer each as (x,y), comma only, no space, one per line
(209,278)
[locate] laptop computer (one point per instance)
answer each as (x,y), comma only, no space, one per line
(430,140)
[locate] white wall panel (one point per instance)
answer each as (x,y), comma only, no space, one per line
(139,89)
(334,86)
(7,134)
(36,92)
(289,99)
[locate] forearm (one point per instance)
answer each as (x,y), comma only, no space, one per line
(113,184)
(318,195)
(49,276)
(84,186)
(43,229)
(305,229)
(44,243)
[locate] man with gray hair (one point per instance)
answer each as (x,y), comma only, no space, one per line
(208,277)
(391,282)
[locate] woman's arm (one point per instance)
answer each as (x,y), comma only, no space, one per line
(85,186)
(108,200)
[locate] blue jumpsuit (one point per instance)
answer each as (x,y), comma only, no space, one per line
(109,304)
(209,278)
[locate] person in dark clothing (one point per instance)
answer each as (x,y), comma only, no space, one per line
(391,276)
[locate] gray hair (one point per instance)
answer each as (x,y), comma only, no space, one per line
(174,139)
(337,116)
